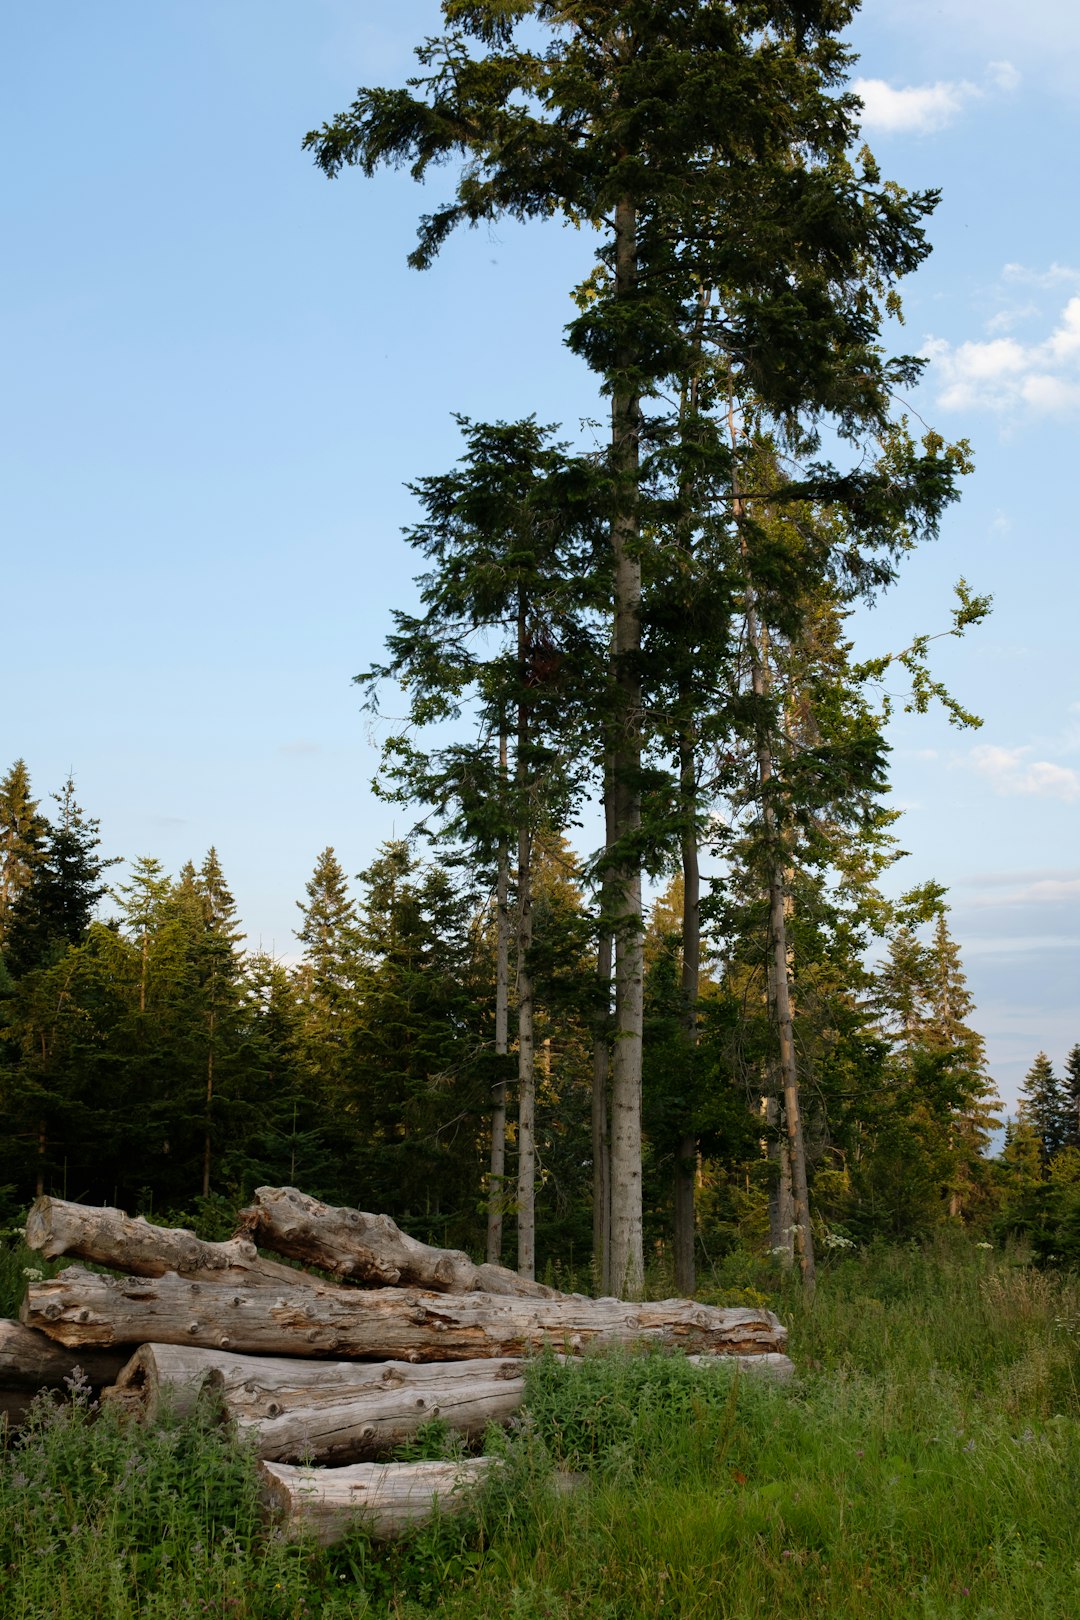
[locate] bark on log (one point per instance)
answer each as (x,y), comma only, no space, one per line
(371,1249)
(387,1499)
(108,1237)
(771,1365)
(30,1361)
(337,1411)
(80,1307)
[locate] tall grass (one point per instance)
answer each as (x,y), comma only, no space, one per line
(925,1462)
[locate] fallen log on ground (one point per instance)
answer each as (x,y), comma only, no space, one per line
(320,1411)
(771,1365)
(131,1244)
(31,1361)
(371,1249)
(85,1308)
(387,1499)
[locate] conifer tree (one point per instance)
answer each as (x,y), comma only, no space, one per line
(22,830)
(708,144)
(1071,1087)
(1044,1107)
(53,910)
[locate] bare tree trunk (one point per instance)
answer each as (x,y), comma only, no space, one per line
(780,969)
(601,1099)
(526,1184)
(686,1151)
(496,1187)
(623,779)
(526,1132)
(209,1105)
(781,1207)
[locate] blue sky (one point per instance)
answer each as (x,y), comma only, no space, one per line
(220,375)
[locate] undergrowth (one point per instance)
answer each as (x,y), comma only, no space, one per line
(923,1463)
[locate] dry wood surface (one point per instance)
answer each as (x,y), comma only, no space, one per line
(31,1361)
(371,1249)
(128,1243)
(85,1308)
(387,1498)
(336,1411)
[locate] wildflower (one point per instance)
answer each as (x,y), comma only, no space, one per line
(32,1274)
(984,1245)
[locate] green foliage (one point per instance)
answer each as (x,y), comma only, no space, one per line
(99,1517)
(917,1465)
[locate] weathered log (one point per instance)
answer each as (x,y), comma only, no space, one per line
(14,1405)
(31,1361)
(80,1307)
(322,1411)
(131,1244)
(371,1249)
(386,1499)
(771,1365)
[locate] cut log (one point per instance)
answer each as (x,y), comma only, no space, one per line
(771,1365)
(85,1308)
(14,1405)
(385,1499)
(322,1411)
(371,1249)
(108,1237)
(31,1361)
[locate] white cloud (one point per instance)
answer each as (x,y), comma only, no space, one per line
(1041,36)
(1053,277)
(1007,375)
(1003,76)
(922,109)
(1011,773)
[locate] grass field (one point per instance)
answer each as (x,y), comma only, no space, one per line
(926,1462)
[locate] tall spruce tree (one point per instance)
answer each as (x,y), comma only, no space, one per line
(508,627)
(1071,1087)
(53,909)
(1044,1107)
(22,830)
(708,145)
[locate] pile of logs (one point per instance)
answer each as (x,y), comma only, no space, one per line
(318,1372)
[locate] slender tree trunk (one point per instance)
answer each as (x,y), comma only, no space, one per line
(779,962)
(601,1141)
(623,777)
(526,1135)
(780,967)
(781,1207)
(496,1187)
(686,1151)
(209,1105)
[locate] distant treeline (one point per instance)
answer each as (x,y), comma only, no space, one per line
(149,1060)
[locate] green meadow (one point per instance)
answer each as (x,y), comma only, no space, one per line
(925,1462)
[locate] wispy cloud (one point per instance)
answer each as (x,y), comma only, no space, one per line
(922,109)
(1007,375)
(1012,773)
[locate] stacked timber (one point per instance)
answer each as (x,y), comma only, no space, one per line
(30,1362)
(339,1371)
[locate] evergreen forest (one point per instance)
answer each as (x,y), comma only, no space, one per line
(151,1062)
(634,1003)
(635,985)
